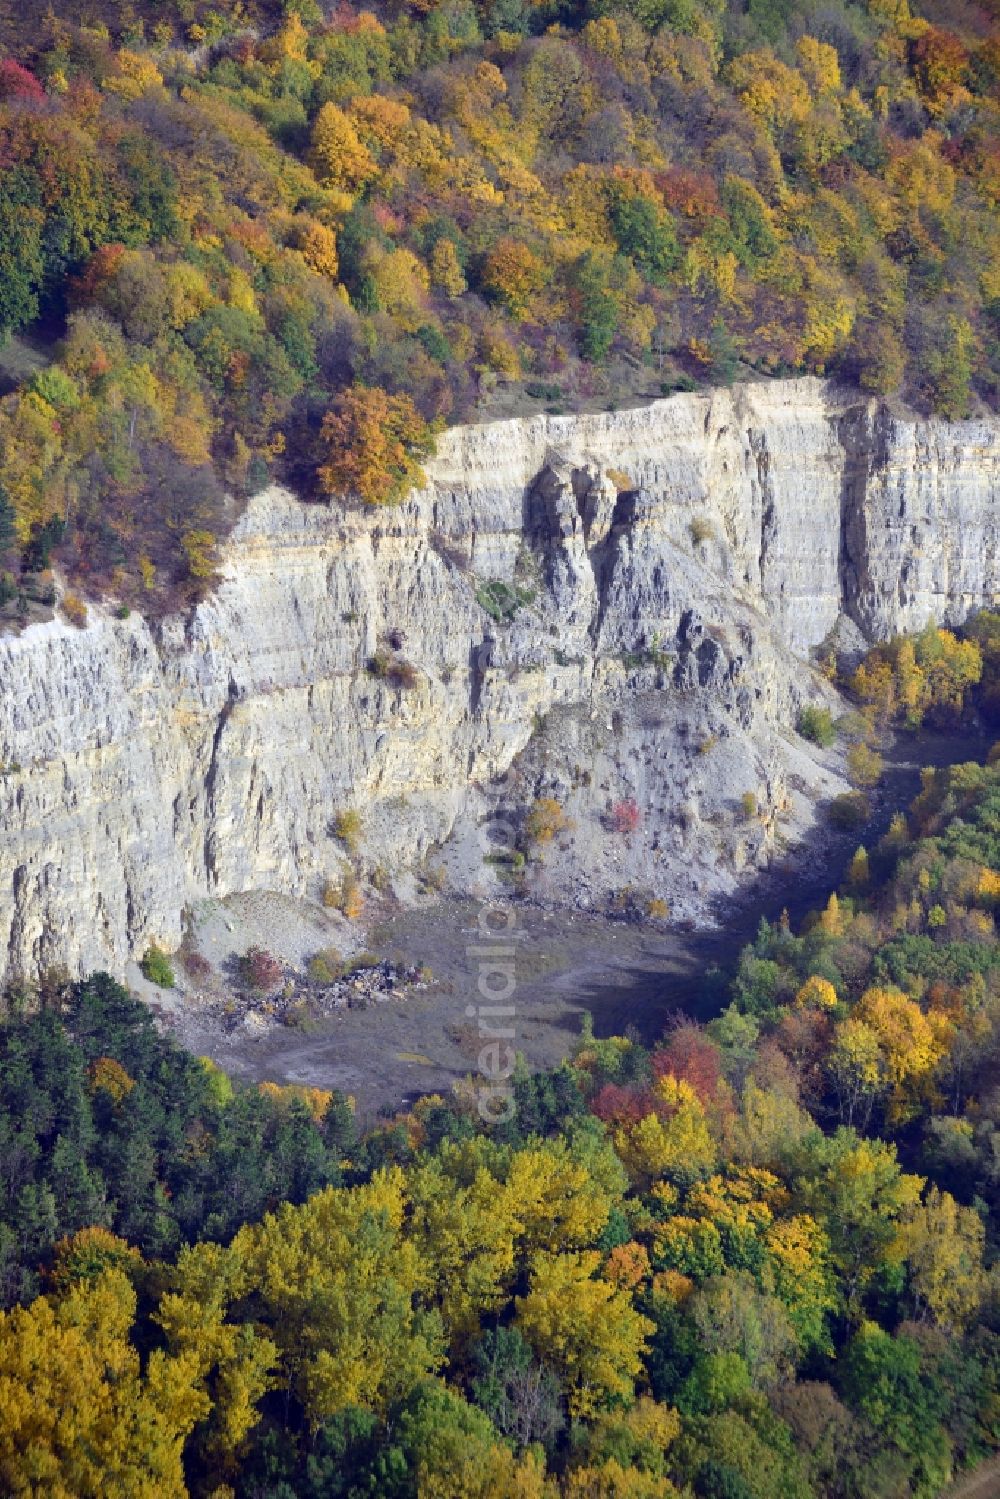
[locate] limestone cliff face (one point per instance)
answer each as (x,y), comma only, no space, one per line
(675,563)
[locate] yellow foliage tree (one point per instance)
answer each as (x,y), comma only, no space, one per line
(446,271)
(339,157)
(337,1280)
(858,872)
(855,1067)
(134,74)
(514,274)
(465,1239)
(609,1480)
(109,1076)
(819,64)
(817,993)
(942,1244)
(316,1100)
(555,1201)
(379,120)
(769,1121)
(400,283)
(586,1329)
(80,1419)
(679,1144)
(799,1260)
(770,90)
(831,921)
(317,244)
(236,1360)
(910,1043)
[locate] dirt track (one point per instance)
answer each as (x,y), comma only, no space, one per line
(982,1483)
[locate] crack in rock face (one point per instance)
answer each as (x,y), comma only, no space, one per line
(654,581)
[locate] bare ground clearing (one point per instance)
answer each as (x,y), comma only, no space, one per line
(565,962)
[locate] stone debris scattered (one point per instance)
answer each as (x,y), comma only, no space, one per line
(299,1001)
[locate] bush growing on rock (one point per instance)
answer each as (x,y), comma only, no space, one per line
(74,609)
(433,877)
(393,669)
(156,967)
(325,967)
(626,817)
(634,904)
(402,674)
(195,965)
(344,895)
(502,600)
(347,828)
(259,969)
(546,818)
(816,724)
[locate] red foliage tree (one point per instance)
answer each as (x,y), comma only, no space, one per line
(259,969)
(17,83)
(100,269)
(626,816)
(693,194)
(940,64)
(804,1035)
(615,1104)
(688,1055)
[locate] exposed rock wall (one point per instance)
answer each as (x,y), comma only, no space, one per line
(662,656)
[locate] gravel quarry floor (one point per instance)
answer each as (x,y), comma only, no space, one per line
(564,962)
(561,963)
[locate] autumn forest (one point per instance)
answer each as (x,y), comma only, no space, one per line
(750,1262)
(755,1258)
(256,241)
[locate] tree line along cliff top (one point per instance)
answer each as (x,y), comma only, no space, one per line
(240,242)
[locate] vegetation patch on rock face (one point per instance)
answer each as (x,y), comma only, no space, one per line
(157,968)
(816,724)
(502,600)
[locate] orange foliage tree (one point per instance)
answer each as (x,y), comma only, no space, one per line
(373,444)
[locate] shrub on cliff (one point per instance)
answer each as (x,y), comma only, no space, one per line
(816,725)
(347,828)
(546,818)
(626,817)
(156,967)
(326,966)
(259,969)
